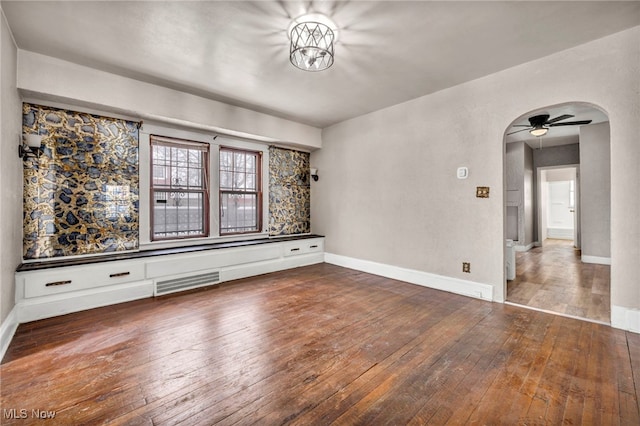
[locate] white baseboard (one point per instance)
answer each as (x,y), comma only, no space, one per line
(596,259)
(625,318)
(438,282)
(7,330)
(560,233)
(524,248)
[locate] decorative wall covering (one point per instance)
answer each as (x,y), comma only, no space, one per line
(81,191)
(289,192)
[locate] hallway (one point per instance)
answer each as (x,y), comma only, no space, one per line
(553,278)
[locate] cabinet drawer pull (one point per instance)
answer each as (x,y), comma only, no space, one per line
(295,249)
(57,283)
(314,246)
(119,274)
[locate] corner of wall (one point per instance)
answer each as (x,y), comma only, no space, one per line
(7,330)
(11,177)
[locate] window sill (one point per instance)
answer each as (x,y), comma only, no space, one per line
(151,245)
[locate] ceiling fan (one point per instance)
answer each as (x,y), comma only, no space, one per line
(539,124)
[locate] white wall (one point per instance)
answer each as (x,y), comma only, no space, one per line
(559,175)
(595,190)
(519,185)
(42,77)
(388,190)
(11,176)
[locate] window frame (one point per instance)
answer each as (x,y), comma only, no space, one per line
(206,188)
(259,191)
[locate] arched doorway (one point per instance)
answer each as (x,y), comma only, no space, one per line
(557,211)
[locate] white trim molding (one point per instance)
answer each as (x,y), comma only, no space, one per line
(625,318)
(438,282)
(7,330)
(560,233)
(525,248)
(596,259)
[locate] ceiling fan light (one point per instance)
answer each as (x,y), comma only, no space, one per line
(539,131)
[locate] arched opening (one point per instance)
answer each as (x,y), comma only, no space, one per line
(557,211)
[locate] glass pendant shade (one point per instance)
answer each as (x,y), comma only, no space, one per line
(311,46)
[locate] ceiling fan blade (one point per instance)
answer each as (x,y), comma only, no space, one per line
(559,118)
(518,131)
(571,123)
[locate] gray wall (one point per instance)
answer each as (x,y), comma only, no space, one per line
(519,182)
(563,155)
(595,190)
(514,170)
(557,155)
(388,192)
(528,198)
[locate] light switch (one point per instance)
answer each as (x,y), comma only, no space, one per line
(462,173)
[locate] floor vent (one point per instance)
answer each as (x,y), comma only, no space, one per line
(186,283)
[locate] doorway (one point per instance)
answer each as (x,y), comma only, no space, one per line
(558,204)
(553,272)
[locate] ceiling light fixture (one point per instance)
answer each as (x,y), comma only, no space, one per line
(312,39)
(539,131)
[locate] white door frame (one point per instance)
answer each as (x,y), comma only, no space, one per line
(539,201)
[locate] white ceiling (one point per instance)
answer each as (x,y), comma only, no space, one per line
(237,52)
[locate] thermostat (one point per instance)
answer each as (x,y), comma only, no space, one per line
(463,173)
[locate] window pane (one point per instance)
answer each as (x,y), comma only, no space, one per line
(239,213)
(180,196)
(178,214)
(239,191)
(239,159)
(226,179)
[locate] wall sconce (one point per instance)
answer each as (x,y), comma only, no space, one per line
(33,148)
(314,174)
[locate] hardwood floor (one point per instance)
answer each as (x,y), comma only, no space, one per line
(315,346)
(553,278)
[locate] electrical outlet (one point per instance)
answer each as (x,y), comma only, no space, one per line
(466,267)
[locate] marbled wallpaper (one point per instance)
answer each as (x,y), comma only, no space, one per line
(289,192)
(81,191)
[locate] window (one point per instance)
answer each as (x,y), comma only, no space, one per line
(179,188)
(240,191)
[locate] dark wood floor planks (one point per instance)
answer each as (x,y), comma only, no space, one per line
(320,345)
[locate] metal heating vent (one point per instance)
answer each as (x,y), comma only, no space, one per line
(185,283)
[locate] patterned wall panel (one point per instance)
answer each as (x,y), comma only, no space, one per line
(289,192)
(81,191)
